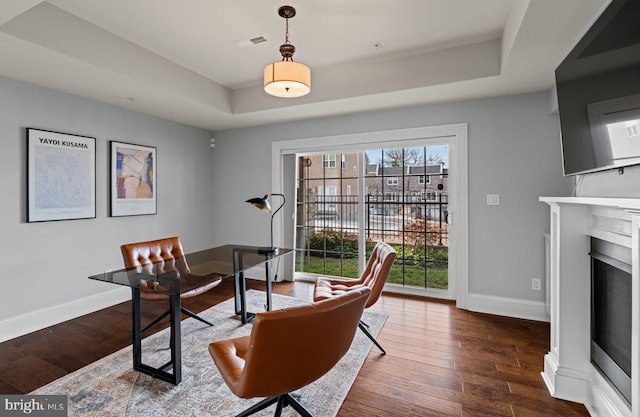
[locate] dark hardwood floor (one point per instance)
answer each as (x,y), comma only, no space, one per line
(441,361)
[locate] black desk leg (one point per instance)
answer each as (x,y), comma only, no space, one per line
(137,327)
(176,338)
(175,343)
(242,289)
(236,292)
(267,267)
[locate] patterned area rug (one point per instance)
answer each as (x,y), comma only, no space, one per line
(110,387)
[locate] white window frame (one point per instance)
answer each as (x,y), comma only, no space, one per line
(424,179)
(328,160)
(453,135)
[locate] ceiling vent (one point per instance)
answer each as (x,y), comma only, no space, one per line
(251,41)
(257,39)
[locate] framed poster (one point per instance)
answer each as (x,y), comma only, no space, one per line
(133,179)
(61,176)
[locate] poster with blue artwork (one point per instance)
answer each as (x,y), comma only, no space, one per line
(133,179)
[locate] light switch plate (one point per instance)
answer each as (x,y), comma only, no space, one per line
(493,199)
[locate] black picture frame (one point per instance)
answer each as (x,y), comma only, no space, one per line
(133,179)
(61,176)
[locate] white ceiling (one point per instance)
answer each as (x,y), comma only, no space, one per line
(183,60)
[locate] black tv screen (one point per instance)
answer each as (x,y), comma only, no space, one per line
(598,86)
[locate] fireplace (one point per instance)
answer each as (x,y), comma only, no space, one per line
(570,371)
(611,313)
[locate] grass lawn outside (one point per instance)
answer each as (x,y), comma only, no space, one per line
(435,275)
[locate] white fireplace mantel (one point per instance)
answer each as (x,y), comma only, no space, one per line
(568,372)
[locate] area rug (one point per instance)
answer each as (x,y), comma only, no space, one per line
(110,387)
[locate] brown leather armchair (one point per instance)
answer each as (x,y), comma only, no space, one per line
(157,257)
(374,276)
(288,349)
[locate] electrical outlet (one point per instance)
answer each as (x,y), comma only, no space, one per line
(536,284)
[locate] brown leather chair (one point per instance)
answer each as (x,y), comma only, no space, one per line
(374,276)
(289,349)
(159,257)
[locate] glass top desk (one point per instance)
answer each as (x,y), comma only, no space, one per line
(206,266)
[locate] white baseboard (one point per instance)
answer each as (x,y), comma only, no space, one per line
(39,319)
(510,307)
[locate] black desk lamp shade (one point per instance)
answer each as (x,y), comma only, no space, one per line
(263,204)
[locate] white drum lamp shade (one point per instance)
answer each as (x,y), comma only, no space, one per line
(287,79)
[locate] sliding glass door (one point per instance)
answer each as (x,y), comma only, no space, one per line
(404,189)
(403,201)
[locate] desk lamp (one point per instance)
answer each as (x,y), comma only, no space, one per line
(263,204)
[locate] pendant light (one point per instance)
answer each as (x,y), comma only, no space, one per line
(287,78)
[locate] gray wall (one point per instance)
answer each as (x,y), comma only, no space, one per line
(47,264)
(514,150)
(610,184)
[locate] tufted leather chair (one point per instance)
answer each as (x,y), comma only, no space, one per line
(374,276)
(159,257)
(289,349)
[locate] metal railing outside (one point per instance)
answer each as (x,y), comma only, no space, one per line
(416,224)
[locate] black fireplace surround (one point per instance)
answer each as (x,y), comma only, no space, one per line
(611,313)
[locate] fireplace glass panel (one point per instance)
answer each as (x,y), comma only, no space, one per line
(611,313)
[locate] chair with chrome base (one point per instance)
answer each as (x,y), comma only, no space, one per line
(289,349)
(374,276)
(162,256)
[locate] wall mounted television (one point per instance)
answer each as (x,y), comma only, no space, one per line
(598,86)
